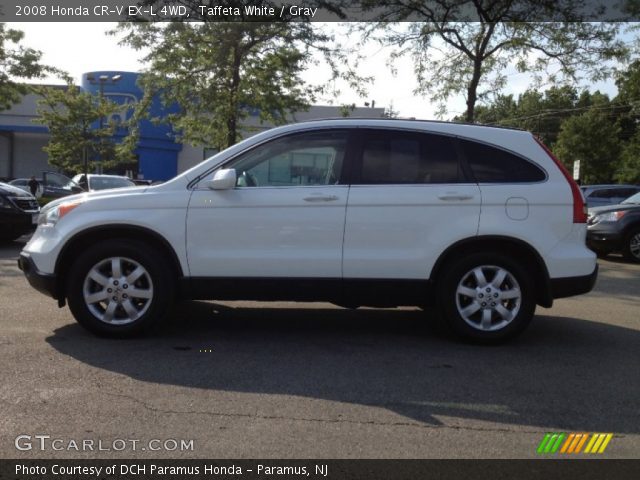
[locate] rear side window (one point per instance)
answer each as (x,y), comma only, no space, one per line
(392,157)
(494,165)
(607,193)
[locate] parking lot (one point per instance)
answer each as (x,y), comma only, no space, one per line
(287,380)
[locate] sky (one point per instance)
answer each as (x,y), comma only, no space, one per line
(85,47)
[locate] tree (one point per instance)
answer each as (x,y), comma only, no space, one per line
(17,62)
(629,167)
(216,74)
(465,46)
(628,83)
(77,142)
(592,138)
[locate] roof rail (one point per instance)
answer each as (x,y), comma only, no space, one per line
(413,119)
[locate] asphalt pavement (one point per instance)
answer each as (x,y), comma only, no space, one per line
(289,380)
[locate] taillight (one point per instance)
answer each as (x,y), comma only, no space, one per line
(579,207)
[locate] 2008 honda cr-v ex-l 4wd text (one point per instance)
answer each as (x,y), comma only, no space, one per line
(481,222)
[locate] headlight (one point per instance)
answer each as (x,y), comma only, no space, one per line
(609,216)
(52,215)
(5,204)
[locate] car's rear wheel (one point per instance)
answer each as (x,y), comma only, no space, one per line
(631,247)
(119,288)
(486,297)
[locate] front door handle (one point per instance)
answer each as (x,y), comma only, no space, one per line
(320,198)
(454,197)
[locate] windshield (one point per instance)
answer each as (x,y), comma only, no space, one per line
(103,183)
(633,199)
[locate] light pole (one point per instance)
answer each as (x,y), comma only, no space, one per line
(100,81)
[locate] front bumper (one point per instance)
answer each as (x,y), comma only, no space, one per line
(46,283)
(16,223)
(570,286)
(604,236)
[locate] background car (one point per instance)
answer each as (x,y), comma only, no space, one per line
(52,185)
(23,184)
(600,195)
(616,228)
(142,181)
(18,212)
(102,182)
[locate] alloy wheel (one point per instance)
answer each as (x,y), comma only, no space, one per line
(488,298)
(118,290)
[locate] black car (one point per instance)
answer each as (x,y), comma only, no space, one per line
(18,212)
(51,185)
(616,228)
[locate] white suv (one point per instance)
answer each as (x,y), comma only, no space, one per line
(482,222)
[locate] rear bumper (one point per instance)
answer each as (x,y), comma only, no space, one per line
(570,286)
(46,283)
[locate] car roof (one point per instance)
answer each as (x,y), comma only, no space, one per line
(408,121)
(612,185)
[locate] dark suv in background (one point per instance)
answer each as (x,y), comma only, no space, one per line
(616,228)
(602,195)
(18,212)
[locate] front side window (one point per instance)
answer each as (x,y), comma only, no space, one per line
(393,157)
(298,160)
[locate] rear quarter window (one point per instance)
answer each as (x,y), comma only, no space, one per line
(493,165)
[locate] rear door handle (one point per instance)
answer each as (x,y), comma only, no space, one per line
(454,197)
(320,198)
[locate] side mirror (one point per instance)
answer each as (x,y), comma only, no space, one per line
(224,179)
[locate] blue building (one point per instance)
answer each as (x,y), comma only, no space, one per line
(157,152)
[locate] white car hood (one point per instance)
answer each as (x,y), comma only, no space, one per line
(97,194)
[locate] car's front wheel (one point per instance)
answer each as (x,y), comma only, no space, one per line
(486,297)
(119,288)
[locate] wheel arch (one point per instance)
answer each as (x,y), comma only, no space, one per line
(515,247)
(128,232)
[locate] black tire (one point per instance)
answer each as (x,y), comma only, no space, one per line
(451,303)
(158,279)
(628,244)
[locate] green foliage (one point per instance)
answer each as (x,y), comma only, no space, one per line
(346,110)
(73,117)
(465,47)
(629,168)
(16,62)
(216,74)
(593,138)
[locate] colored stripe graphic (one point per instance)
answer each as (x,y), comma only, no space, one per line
(567,443)
(543,443)
(572,443)
(584,439)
